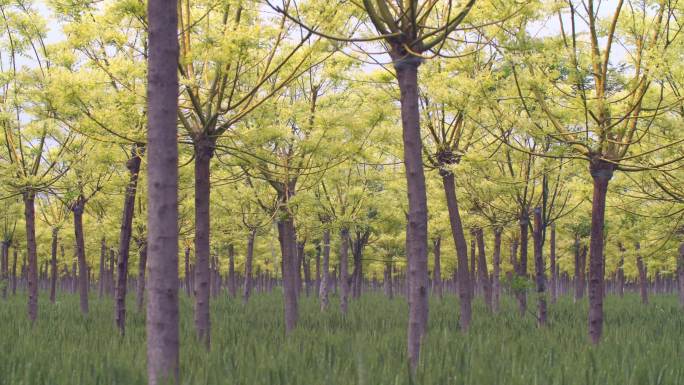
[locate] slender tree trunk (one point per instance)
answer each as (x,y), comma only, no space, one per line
(317,287)
(482,269)
(540,278)
(601,173)
(232,279)
(204,149)
(437,270)
(30,219)
(248,266)
(4,270)
(496,276)
(387,281)
(307,272)
(300,261)
(417,236)
(680,274)
(162,192)
(621,272)
(53,264)
(344,278)
(142,267)
(188,273)
(14,272)
(643,275)
(522,263)
(103,270)
(474,287)
(554,269)
(463,276)
(133,165)
(325,279)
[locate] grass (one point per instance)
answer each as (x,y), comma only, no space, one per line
(642,345)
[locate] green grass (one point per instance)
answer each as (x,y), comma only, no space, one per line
(642,345)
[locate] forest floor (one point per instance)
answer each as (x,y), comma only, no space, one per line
(642,345)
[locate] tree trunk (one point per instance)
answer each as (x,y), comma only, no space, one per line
(133,166)
(344,278)
(30,219)
(4,270)
(287,239)
(417,236)
(621,272)
(522,262)
(325,278)
(204,149)
(539,267)
(680,274)
(643,275)
(103,273)
(142,267)
(387,281)
(317,286)
(437,269)
(482,269)
(53,265)
(601,173)
(162,192)
(14,272)
(496,276)
(248,266)
(464,282)
(188,274)
(232,279)
(474,287)
(554,269)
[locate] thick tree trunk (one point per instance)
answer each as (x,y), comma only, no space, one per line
(601,173)
(482,269)
(162,192)
(554,269)
(142,267)
(133,165)
(344,275)
(522,262)
(463,276)
(30,220)
(288,248)
(247,290)
(643,275)
(204,149)
(496,276)
(539,267)
(417,235)
(325,277)
(437,269)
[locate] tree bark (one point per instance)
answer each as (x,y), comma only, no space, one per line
(162,183)
(437,269)
(103,272)
(4,269)
(539,267)
(496,276)
(552,261)
(464,281)
(325,277)
(14,272)
(30,219)
(482,269)
(387,281)
(643,275)
(621,272)
(344,274)
(126,230)
(601,173)
(188,273)
(680,274)
(248,266)
(78,209)
(204,149)
(474,286)
(232,279)
(522,262)
(142,267)
(287,239)
(417,235)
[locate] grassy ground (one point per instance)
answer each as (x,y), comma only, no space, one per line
(642,345)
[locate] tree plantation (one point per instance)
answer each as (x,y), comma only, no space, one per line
(341,192)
